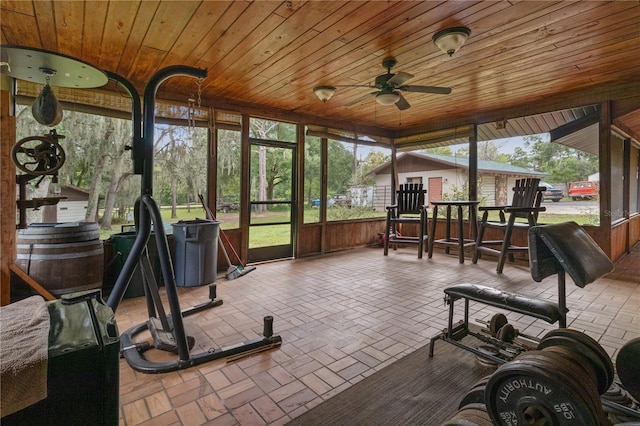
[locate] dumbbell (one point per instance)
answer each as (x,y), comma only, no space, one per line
(500,328)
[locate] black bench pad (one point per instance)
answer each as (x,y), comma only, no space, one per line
(566,247)
(541,309)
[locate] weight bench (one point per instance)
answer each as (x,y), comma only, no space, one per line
(553,249)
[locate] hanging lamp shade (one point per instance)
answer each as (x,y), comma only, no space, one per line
(387,97)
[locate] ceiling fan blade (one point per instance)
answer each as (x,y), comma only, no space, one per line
(399,79)
(426,89)
(402,103)
(361,98)
(354,85)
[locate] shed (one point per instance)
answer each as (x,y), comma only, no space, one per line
(70,209)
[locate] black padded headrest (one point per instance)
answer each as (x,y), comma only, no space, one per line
(566,247)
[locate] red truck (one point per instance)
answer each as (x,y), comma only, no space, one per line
(583,190)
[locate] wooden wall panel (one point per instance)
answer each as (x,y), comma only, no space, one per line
(344,235)
(7,194)
(634,231)
(619,240)
(233,236)
(310,241)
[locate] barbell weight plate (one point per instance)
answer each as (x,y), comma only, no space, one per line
(628,367)
(455,421)
(497,322)
(488,350)
(506,333)
(593,345)
(476,414)
(582,383)
(588,347)
(474,396)
(579,360)
(520,392)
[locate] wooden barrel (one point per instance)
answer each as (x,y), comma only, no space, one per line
(62,257)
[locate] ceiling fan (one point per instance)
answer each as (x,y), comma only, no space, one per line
(390,85)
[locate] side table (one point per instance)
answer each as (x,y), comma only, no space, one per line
(461,242)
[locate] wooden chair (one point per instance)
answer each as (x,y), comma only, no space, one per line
(525,206)
(409,208)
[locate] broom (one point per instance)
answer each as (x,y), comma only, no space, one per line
(234,271)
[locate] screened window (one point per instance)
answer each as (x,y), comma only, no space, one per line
(312,179)
(261,128)
(617,178)
(352,184)
(634,188)
(228,177)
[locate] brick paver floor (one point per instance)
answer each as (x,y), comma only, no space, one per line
(342,317)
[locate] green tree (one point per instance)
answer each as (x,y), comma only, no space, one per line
(312,168)
(520,158)
(340,167)
(121,166)
(273,166)
(94,150)
(564,164)
(229,163)
(373,160)
(440,150)
(487,150)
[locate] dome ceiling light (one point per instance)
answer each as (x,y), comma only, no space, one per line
(324,93)
(450,40)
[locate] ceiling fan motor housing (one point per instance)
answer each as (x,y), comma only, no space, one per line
(381,80)
(390,85)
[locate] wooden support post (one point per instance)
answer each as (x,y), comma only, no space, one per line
(604,239)
(8,185)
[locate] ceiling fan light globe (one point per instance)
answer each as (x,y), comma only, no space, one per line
(324,93)
(450,40)
(388,98)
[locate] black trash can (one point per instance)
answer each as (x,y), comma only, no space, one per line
(122,244)
(196,252)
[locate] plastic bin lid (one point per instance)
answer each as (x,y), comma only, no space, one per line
(195,222)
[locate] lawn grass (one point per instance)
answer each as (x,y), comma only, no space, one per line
(262,236)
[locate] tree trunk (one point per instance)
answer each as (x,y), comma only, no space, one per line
(94,191)
(262,172)
(174,198)
(110,201)
(91,214)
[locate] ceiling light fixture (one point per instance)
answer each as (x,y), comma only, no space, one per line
(324,93)
(387,97)
(450,40)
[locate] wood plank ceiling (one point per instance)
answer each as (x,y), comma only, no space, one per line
(268,55)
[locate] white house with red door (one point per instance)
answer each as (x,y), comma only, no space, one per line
(443,174)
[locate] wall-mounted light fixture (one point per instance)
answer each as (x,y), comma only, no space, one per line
(324,93)
(450,40)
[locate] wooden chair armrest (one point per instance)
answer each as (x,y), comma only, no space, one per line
(491,208)
(395,206)
(525,209)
